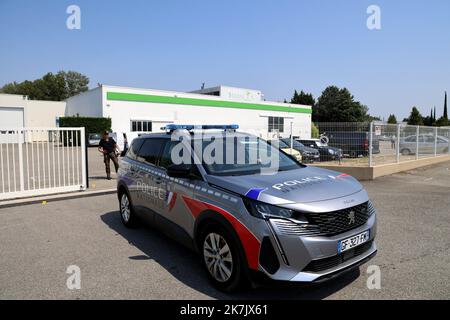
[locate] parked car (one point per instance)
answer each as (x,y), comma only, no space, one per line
(287,149)
(327,153)
(94,139)
(123,140)
(408,145)
(300,224)
(309,155)
(353,144)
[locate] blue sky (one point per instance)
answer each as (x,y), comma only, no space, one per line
(275,46)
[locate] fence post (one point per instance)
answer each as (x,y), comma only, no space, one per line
(435,141)
(448,137)
(292,138)
(20,131)
(398,143)
(370,144)
(84,157)
(417,142)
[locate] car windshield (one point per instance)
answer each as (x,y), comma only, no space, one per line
(95,136)
(242,156)
(282,144)
(295,143)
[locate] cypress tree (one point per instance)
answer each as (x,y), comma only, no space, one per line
(445,106)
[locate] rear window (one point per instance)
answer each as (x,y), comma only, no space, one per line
(150,150)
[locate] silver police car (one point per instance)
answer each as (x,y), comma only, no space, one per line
(296,223)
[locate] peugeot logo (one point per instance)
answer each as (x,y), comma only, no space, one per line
(351,217)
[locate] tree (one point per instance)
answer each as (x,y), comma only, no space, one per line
(303,98)
(445,107)
(392,119)
(428,120)
(442,122)
(75,83)
(53,87)
(339,105)
(415,118)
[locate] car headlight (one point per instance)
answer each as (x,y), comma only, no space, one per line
(263,210)
(331,151)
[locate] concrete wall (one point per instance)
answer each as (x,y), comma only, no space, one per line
(371,173)
(87,104)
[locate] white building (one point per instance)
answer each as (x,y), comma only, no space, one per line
(146,110)
(16,111)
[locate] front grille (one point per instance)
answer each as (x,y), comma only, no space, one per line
(332,223)
(334,261)
(326,224)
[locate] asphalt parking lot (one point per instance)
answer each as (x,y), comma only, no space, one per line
(38,242)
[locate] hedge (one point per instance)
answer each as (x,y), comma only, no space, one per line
(91,124)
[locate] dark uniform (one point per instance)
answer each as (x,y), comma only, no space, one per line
(109,153)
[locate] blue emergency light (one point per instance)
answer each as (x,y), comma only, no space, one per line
(189,127)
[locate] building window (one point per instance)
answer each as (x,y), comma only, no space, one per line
(276,124)
(141,126)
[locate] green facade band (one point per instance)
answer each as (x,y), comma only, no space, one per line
(134,97)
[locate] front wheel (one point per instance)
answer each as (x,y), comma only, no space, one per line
(221,259)
(126,211)
(405,152)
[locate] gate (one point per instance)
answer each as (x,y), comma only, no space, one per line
(41,161)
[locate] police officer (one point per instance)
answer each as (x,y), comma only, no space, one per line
(108,147)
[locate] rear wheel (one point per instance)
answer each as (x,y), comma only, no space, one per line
(126,211)
(221,258)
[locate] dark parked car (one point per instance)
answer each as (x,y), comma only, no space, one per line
(308,154)
(353,144)
(327,153)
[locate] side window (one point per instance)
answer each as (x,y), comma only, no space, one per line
(151,150)
(166,156)
(135,146)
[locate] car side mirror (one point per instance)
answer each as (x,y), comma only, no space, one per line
(179,171)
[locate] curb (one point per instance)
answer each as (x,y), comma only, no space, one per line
(55,197)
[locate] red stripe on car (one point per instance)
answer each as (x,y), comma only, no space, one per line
(172,201)
(250,243)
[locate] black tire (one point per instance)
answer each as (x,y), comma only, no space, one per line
(129,219)
(405,152)
(236,279)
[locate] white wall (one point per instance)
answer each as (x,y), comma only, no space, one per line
(86,104)
(43,113)
(121,112)
(36,113)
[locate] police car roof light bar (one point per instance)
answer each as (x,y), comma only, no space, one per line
(190,127)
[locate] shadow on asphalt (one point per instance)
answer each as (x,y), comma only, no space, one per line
(185,265)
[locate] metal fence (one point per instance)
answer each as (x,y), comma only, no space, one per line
(36,161)
(370,144)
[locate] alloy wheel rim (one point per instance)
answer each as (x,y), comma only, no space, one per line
(217,256)
(125,208)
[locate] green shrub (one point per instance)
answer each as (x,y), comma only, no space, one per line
(314,131)
(91,124)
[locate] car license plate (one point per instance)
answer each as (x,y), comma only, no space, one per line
(354,241)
